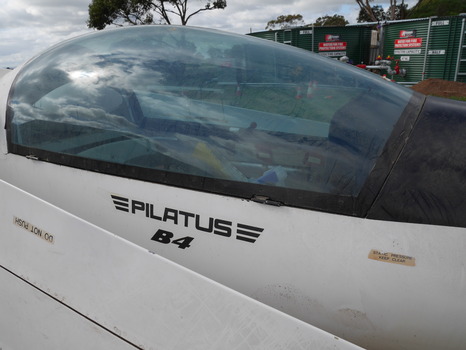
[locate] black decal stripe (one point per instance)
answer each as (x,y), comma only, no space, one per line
(250,240)
(250,228)
(121,203)
(118,198)
(248,233)
(122,208)
(252,234)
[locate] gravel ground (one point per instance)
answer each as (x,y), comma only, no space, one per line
(442,88)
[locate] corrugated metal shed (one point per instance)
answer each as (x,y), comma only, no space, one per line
(460,73)
(406,41)
(357,39)
(428,48)
(351,41)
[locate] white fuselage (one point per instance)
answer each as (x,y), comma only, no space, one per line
(379,284)
(318,267)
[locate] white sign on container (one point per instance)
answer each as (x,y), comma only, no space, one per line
(440,23)
(408,52)
(436,52)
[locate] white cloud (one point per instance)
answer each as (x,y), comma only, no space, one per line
(30,26)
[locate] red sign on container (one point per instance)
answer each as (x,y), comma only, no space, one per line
(408,43)
(407,33)
(333,46)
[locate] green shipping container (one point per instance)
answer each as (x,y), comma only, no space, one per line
(427,48)
(335,42)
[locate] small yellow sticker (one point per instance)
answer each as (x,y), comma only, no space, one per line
(38,232)
(392,258)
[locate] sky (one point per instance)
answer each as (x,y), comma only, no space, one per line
(28,27)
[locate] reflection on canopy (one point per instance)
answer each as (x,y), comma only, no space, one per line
(206,103)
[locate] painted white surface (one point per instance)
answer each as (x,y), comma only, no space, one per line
(311,265)
(29,319)
(137,295)
(4,72)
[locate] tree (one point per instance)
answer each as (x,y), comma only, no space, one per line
(368,13)
(367,8)
(106,12)
(378,12)
(397,11)
(427,8)
(335,20)
(285,21)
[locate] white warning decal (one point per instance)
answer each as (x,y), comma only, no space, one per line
(36,231)
(392,258)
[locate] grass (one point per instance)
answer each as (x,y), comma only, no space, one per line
(459,98)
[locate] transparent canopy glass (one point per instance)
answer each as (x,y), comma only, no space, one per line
(206,103)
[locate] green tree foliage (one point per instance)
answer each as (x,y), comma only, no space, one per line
(119,12)
(335,20)
(395,11)
(381,15)
(285,21)
(367,8)
(378,12)
(427,8)
(400,12)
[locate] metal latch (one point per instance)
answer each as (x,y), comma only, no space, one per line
(32,157)
(265,200)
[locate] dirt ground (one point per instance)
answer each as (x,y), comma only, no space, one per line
(442,88)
